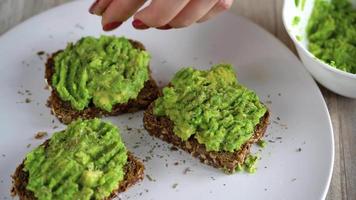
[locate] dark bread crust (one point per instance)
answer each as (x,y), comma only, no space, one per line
(66,114)
(134,172)
(162,127)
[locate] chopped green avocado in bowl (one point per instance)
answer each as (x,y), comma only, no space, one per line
(104,71)
(324,34)
(331,32)
(84,161)
(211,106)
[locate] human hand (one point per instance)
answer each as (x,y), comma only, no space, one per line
(160,14)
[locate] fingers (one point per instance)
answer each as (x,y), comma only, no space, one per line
(119,11)
(220,6)
(99,6)
(162,14)
(158,13)
(192,12)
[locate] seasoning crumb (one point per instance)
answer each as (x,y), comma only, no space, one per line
(79,26)
(150,178)
(265,189)
(28,145)
(46,87)
(299,149)
(173,148)
(294,179)
(186,170)
(54,127)
(279,94)
(174,186)
(40,53)
(147,158)
(269,102)
(40,135)
(166,164)
(176,163)
(136,146)
(27,100)
(278,118)
(3,155)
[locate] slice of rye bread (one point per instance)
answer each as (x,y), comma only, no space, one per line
(134,172)
(66,114)
(162,127)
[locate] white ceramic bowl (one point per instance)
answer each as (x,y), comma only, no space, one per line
(336,80)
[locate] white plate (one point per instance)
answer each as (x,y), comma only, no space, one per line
(262,63)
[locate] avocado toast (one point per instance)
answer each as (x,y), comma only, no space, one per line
(88,160)
(209,115)
(97,77)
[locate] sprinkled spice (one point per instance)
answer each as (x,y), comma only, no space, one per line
(40,135)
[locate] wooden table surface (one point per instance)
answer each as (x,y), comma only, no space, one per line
(266,13)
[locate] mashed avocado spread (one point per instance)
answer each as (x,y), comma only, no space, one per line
(105,71)
(212,107)
(331,32)
(85,161)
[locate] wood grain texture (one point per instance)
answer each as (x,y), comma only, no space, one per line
(266,13)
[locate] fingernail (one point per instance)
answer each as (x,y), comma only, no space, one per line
(111,26)
(92,7)
(165,27)
(138,24)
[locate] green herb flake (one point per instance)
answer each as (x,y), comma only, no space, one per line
(262,143)
(296,20)
(303,4)
(296,2)
(299,38)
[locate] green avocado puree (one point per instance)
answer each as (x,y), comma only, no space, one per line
(249,164)
(331,32)
(211,106)
(106,71)
(85,161)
